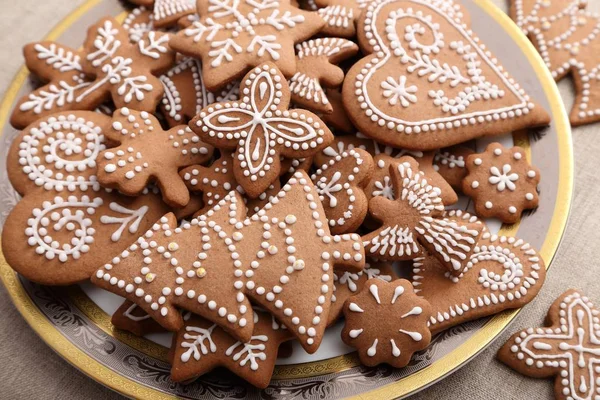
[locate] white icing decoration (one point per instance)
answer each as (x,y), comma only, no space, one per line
(53,142)
(198,342)
(56,217)
(131,218)
(503,179)
(253,352)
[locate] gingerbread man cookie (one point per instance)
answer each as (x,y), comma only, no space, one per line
(415,221)
(501,183)
(567,348)
(109,66)
(167,12)
(146,153)
(567,37)
(66,225)
(455,83)
(233,37)
(502,273)
(185,93)
(200,346)
(261,129)
(386,323)
(340,182)
(276,257)
(316,61)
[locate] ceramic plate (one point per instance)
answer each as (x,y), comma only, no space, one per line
(75,321)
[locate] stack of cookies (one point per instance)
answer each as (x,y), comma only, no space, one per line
(247,172)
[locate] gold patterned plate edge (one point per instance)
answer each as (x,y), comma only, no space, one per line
(402,387)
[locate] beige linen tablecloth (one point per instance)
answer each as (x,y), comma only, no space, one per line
(31,370)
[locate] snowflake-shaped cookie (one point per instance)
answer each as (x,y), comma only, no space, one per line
(414,221)
(234,36)
(386,323)
(501,182)
(568,348)
(148,153)
(262,129)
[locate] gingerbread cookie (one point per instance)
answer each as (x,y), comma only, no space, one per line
(340,183)
(66,225)
(501,183)
(261,129)
(566,348)
(232,38)
(349,283)
(316,61)
(109,66)
(167,12)
(146,153)
(415,221)
(457,86)
(200,346)
(450,163)
(386,323)
(185,93)
(282,258)
(502,273)
(566,36)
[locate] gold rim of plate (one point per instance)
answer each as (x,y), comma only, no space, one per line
(428,375)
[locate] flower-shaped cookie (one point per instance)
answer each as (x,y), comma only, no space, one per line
(501,183)
(262,129)
(386,323)
(148,152)
(567,348)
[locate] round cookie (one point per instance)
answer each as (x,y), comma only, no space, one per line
(386,323)
(501,183)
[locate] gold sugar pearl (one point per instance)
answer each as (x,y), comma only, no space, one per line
(150,277)
(201,272)
(173,246)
